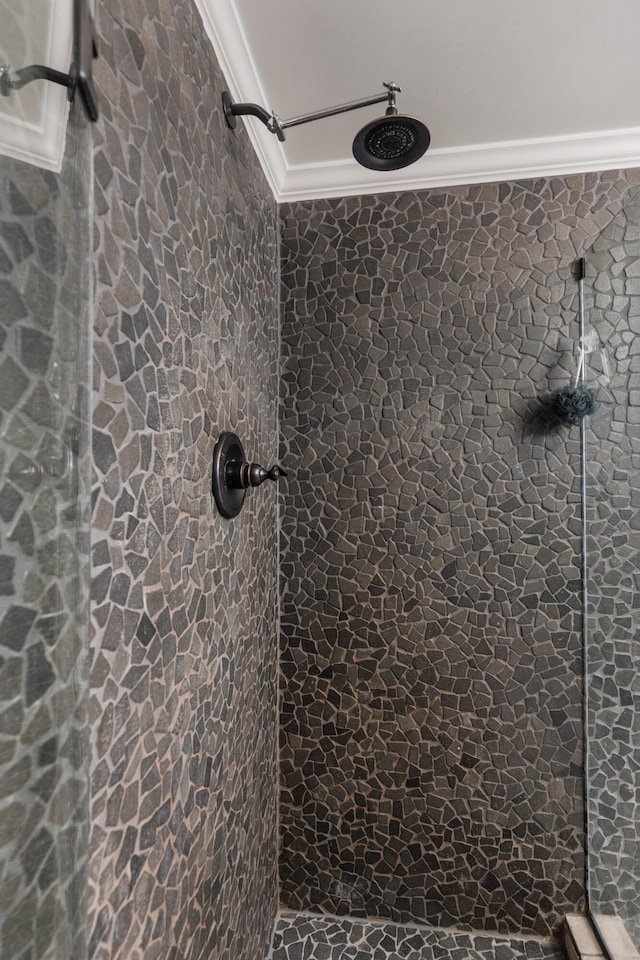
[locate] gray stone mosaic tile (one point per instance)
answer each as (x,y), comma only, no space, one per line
(432,756)
(184,672)
(44,582)
(613,486)
(307,937)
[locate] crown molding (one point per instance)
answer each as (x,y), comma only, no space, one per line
(477,163)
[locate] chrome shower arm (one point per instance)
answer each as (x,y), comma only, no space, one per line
(332,111)
(274,124)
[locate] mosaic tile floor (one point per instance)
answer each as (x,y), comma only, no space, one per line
(303,936)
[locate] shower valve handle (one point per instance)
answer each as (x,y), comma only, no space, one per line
(240,476)
(233,475)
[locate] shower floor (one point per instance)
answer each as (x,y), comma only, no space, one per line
(304,936)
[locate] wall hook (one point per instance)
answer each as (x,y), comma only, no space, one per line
(233,475)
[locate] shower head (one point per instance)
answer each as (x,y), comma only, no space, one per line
(388,143)
(391,142)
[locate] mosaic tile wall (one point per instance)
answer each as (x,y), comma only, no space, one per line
(431,653)
(613,443)
(44,513)
(331,938)
(183,706)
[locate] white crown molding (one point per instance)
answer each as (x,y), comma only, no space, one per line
(39,137)
(479,163)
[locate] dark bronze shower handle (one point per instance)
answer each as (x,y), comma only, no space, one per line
(239,476)
(233,475)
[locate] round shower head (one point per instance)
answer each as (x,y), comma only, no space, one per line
(391,142)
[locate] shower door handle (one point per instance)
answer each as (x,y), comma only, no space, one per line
(80,75)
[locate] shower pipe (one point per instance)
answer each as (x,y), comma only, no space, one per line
(584,575)
(572,404)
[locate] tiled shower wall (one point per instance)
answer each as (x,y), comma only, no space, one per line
(431,659)
(183,704)
(613,467)
(45,368)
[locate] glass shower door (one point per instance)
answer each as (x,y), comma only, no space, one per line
(45,285)
(612,279)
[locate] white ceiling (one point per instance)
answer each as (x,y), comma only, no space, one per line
(508,88)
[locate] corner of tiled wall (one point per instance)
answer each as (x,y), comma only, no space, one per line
(431,653)
(184,674)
